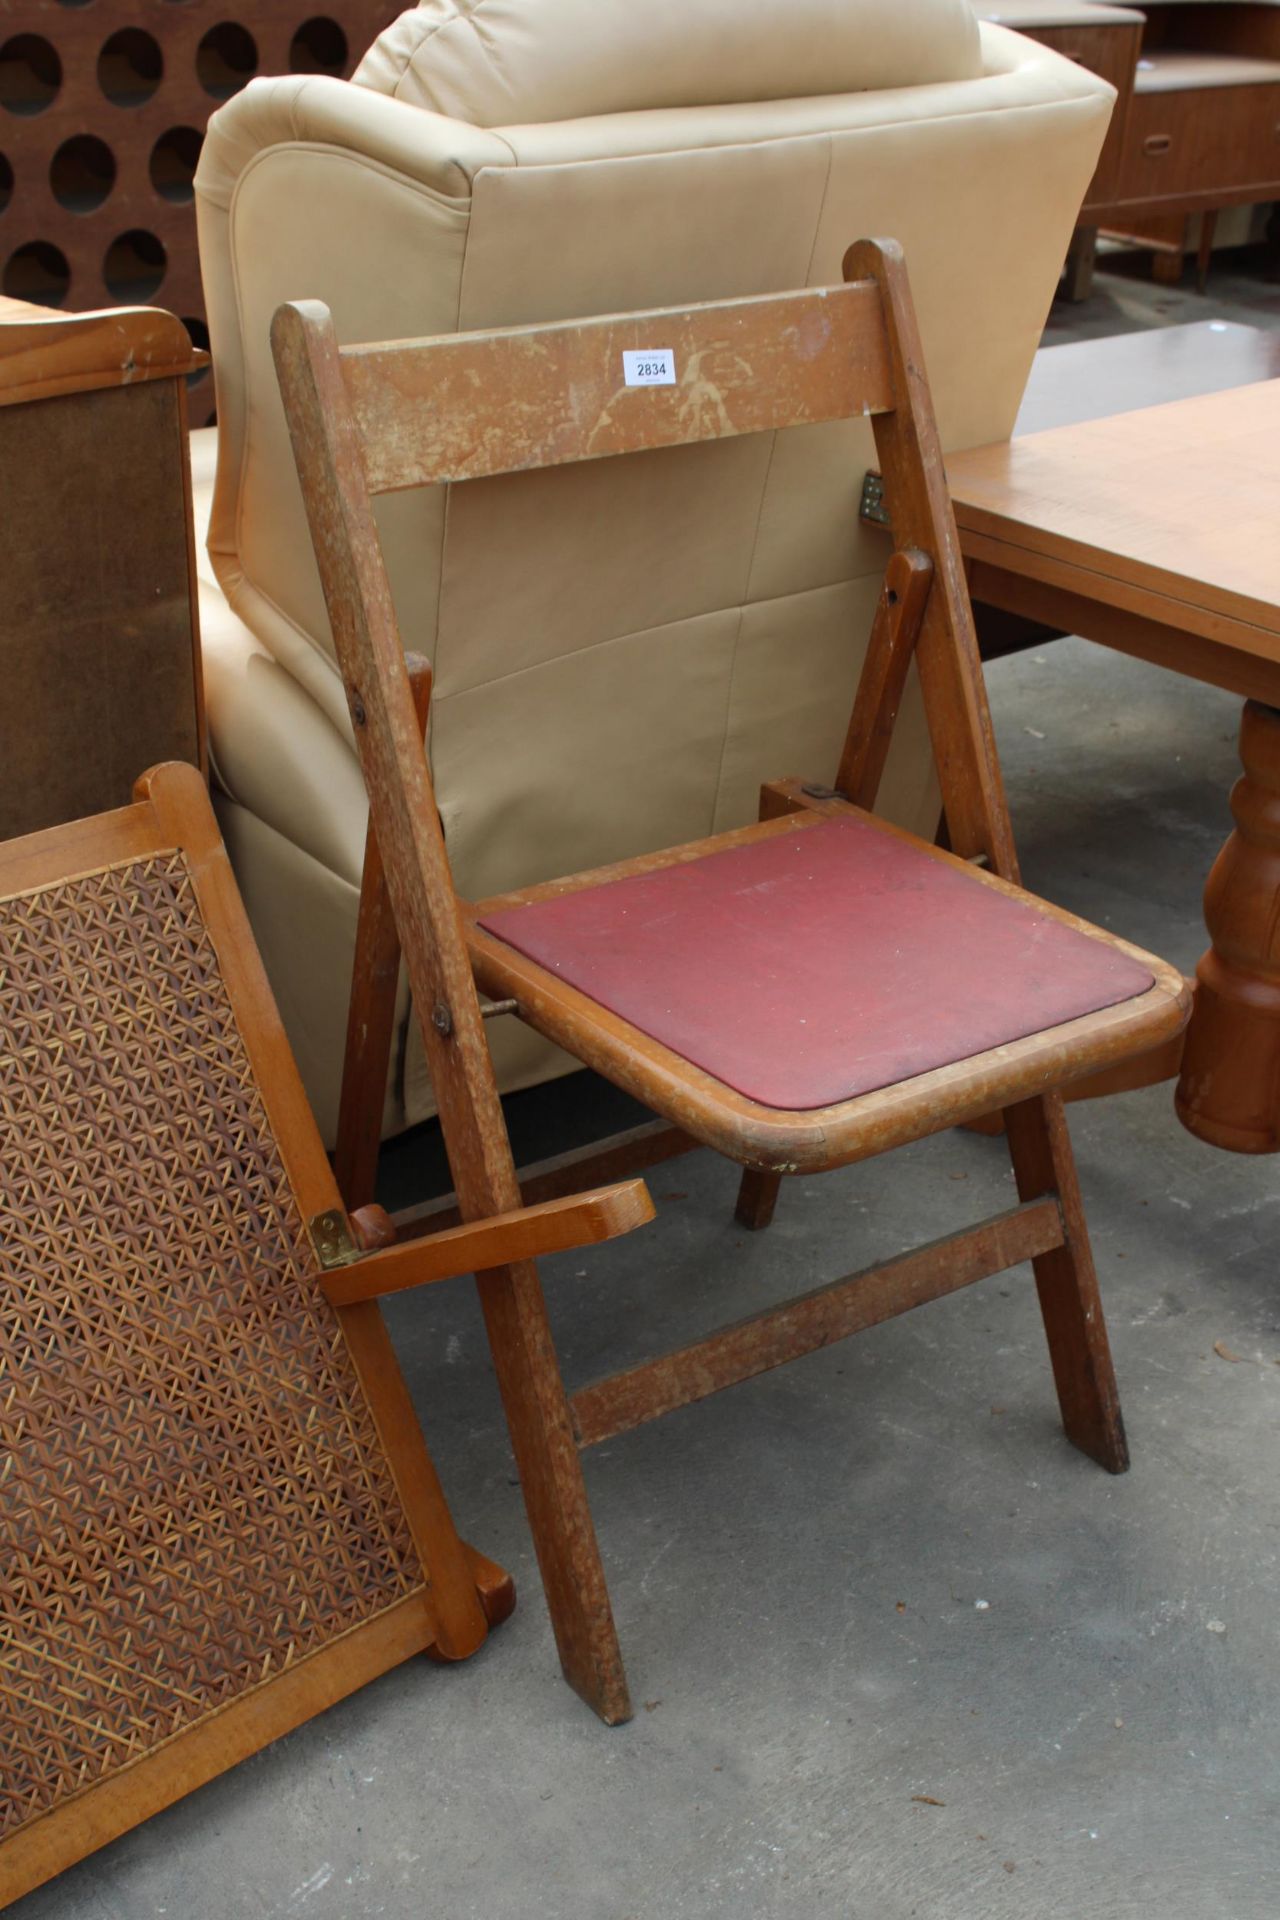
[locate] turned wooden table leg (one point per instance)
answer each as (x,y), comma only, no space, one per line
(1229,1089)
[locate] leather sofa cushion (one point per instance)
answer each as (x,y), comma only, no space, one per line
(496,63)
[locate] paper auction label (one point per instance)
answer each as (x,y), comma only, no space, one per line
(649,367)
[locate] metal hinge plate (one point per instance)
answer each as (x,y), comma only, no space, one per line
(331,1238)
(872,507)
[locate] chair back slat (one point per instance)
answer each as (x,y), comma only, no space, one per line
(463,406)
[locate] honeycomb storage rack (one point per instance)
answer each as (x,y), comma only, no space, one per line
(103,105)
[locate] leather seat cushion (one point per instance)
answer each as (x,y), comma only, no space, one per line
(807,967)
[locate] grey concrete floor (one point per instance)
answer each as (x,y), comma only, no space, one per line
(897,1649)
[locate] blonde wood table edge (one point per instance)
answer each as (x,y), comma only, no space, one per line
(995,501)
(1228,1091)
(1073,601)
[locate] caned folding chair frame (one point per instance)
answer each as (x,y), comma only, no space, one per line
(218,1514)
(372,419)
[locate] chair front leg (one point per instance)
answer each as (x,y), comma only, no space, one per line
(555,1495)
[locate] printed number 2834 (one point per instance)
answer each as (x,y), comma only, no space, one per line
(649,367)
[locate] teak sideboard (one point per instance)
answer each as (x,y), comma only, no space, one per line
(1196,126)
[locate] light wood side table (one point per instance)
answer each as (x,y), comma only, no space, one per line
(1155,532)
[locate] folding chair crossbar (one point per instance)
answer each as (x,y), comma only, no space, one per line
(817,1319)
(373,419)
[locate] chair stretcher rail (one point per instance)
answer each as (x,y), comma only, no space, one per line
(813,1320)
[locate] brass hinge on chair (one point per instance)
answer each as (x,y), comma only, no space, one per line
(331,1237)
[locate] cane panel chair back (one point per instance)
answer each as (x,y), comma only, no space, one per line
(217,1511)
(1013,998)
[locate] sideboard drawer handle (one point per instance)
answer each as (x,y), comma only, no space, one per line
(1157,143)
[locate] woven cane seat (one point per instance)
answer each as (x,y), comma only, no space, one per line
(804,969)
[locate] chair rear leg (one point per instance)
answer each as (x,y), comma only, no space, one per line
(555,1493)
(757,1198)
(1043,1162)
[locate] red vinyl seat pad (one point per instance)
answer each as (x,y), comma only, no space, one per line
(805,968)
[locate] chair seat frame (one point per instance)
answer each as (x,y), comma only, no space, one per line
(818,1139)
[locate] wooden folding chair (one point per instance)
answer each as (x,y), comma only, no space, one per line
(217,1512)
(798,994)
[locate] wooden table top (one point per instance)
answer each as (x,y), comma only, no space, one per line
(1171,512)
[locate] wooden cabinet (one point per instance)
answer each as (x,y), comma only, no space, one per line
(1196,125)
(103,105)
(99,646)
(1207,135)
(1107,41)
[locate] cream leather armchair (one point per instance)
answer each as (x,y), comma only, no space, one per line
(602,683)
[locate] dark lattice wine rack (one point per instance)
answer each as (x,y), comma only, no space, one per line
(103,105)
